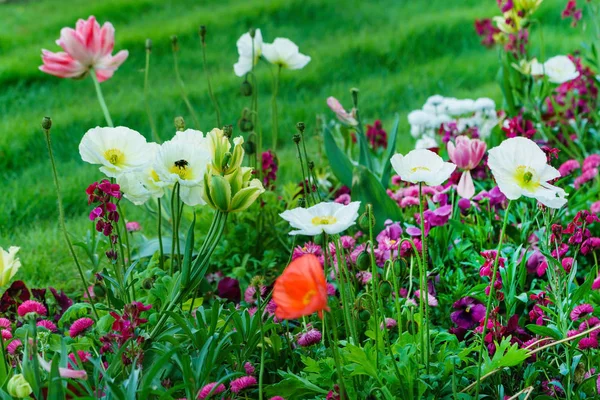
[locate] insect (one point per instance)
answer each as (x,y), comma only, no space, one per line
(181,164)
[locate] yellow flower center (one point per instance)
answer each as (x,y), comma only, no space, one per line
(468,309)
(392,241)
(308,296)
(415,169)
(526,178)
(114,156)
(326,220)
(181,168)
(154,176)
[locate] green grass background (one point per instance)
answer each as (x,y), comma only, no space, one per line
(397,52)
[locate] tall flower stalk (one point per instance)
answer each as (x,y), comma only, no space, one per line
(46,126)
(213,99)
(175,47)
(274,112)
(423,289)
(155,136)
(100,96)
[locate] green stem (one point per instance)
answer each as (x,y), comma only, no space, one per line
(336,355)
(213,99)
(101,99)
(490,297)
(262,345)
(160,242)
(423,290)
(61,219)
(275,127)
(155,136)
(183,92)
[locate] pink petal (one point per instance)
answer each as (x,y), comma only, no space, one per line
(466,188)
(63,372)
(107,38)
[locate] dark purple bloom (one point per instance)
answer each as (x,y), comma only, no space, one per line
(229,288)
(469,312)
(537,263)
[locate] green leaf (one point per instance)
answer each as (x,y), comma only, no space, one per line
(55,386)
(367,189)
(391,149)
(545,331)
(338,160)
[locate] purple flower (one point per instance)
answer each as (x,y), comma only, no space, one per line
(581,311)
(309,338)
(439,216)
(239,384)
(537,263)
(469,312)
(229,288)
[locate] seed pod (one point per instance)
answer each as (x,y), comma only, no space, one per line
(47,123)
(363,261)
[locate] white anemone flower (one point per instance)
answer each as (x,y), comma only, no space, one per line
(191,136)
(330,217)
(421,165)
(244,46)
(142,184)
(285,53)
(520,169)
(116,149)
(180,161)
(558,69)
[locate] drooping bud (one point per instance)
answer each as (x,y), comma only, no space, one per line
(148,45)
(250,147)
(364,222)
(296,138)
(46,123)
(148,283)
(363,261)
(252,32)
(245,125)
(385,288)
(246,88)
(174,43)
(179,124)
(203,33)
(364,315)
(99,290)
(300,126)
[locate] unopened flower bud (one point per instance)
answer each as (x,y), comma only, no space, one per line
(148,45)
(363,261)
(385,288)
(203,33)
(354,92)
(398,266)
(148,283)
(246,88)
(47,123)
(300,126)
(245,125)
(296,138)
(226,159)
(179,124)
(250,147)
(364,222)
(19,387)
(175,43)
(228,130)
(252,32)
(301,202)
(364,315)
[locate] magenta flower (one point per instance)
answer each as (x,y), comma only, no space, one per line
(586,176)
(208,390)
(537,263)
(239,384)
(5,323)
(47,324)
(469,312)
(309,338)
(87,47)
(466,154)
(376,135)
(31,306)
(14,346)
(229,288)
(568,167)
(595,207)
(581,311)
(80,326)
(596,283)
(348,118)
(588,343)
(133,226)
(437,217)
(249,368)
(84,356)
(390,323)
(6,335)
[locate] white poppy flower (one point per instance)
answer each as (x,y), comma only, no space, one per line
(331,218)
(422,165)
(183,162)
(484,104)
(558,69)
(426,142)
(116,149)
(520,169)
(244,46)
(285,53)
(191,136)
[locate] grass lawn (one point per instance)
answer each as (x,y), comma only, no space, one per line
(397,52)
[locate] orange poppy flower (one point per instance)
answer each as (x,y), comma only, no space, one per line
(301,289)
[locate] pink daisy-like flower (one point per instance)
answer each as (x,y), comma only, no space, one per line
(205,392)
(568,167)
(596,283)
(588,343)
(309,338)
(47,324)
(5,323)
(6,335)
(84,356)
(581,311)
(80,326)
(276,398)
(249,368)
(31,306)
(390,323)
(14,346)
(239,384)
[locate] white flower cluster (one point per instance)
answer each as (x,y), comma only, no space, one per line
(465,113)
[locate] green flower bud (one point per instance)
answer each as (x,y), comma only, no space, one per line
(174,43)
(365,223)
(363,261)
(228,130)
(19,387)
(302,202)
(247,196)
(179,124)
(148,283)
(246,89)
(398,266)
(203,33)
(252,32)
(220,192)
(46,123)
(385,288)
(245,125)
(412,327)
(300,126)
(364,315)
(296,138)
(148,45)
(250,147)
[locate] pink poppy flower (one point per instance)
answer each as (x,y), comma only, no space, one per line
(348,118)
(86,47)
(466,154)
